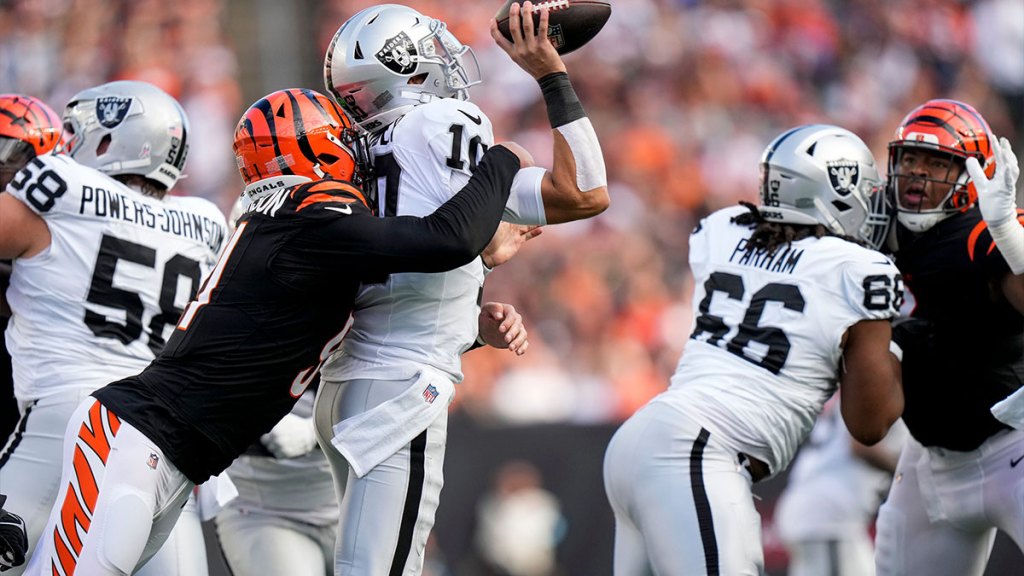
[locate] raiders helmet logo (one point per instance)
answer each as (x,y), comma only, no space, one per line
(111,110)
(397,54)
(844,175)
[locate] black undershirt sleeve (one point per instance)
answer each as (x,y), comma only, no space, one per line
(450,237)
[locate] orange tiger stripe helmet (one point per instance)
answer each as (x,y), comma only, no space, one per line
(942,127)
(30,120)
(298,132)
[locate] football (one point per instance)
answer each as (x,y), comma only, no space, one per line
(571,24)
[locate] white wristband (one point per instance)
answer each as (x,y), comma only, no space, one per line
(582,140)
(1009,237)
(896,350)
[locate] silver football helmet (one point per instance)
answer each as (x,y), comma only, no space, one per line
(127,127)
(821,174)
(388,58)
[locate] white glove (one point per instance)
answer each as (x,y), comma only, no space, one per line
(292,437)
(998,204)
(997,197)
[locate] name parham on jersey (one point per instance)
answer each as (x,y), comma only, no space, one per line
(103,203)
(783,261)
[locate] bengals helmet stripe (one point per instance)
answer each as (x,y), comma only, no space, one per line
(297,132)
(30,120)
(309,102)
(964,124)
(949,127)
(264,106)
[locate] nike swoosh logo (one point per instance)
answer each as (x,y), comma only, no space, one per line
(346,210)
(1013,463)
(476,119)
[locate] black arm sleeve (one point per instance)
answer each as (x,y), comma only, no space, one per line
(451,236)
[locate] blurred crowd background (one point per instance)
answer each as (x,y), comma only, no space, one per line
(684,95)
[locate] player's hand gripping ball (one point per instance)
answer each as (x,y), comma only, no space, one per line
(571,24)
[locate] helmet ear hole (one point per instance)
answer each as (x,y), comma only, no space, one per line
(103,145)
(841,206)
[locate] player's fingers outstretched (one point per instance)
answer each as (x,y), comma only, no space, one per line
(529,36)
(515,25)
(542,26)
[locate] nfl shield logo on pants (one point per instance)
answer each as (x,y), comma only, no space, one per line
(429,393)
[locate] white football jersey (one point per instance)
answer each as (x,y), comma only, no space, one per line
(97,304)
(764,353)
(412,319)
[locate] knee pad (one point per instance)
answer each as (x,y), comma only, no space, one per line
(124,531)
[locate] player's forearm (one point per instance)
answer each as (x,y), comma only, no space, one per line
(577,185)
(461,227)
(1009,237)
(564,201)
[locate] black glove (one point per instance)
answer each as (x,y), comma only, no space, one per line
(13,540)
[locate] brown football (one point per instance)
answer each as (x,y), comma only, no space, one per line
(572,23)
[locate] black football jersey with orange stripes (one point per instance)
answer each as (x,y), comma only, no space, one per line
(278,303)
(966,351)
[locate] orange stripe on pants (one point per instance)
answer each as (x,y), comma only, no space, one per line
(95,437)
(72,514)
(67,561)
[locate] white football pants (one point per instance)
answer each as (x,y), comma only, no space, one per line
(386,515)
(944,508)
(285,518)
(682,501)
(850,556)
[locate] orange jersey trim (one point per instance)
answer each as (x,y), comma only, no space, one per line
(972,238)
